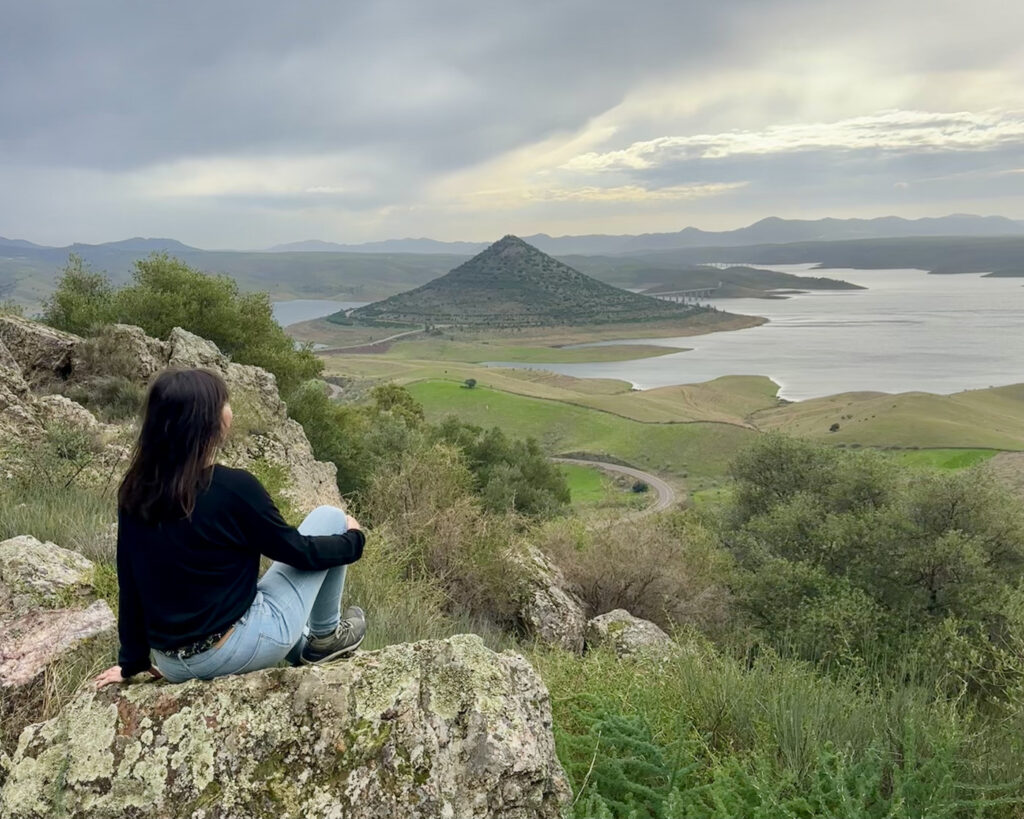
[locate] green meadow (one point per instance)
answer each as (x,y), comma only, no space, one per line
(698,451)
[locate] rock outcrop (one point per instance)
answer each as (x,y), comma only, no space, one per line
(547,610)
(48,611)
(34,355)
(42,352)
(13,394)
(267,433)
(441,728)
(626,635)
(123,347)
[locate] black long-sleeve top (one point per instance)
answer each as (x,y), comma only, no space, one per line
(181,581)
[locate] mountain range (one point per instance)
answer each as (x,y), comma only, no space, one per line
(771,230)
(993,245)
(135,245)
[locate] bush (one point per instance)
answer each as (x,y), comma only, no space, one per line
(510,474)
(668,569)
(167,293)
(701,734)
(112,398)
(83,301)
(839,551)
(423,505)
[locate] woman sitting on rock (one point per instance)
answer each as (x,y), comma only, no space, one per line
(189,538)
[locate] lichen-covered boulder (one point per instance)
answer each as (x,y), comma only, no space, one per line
(49,613)
(36,574)
(186,349)
(548,611)
(441,728)
(627,636)
(10,364)
(14,393)
(120,349)
(43,353)
(60,410)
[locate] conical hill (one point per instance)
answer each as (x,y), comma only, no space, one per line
(512,284)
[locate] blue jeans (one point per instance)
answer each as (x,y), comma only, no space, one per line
(290,603)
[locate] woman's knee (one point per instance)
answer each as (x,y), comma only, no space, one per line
(324,520)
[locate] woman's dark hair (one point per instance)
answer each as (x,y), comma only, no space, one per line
(181,429)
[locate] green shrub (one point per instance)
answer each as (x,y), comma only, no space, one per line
(510,474)
(111,398)
(167,293)
(668,569)
(424,502)
(356,439)
(838,551)
(83,301)
(701,734)
(275,480)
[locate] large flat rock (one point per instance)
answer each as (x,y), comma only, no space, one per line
(442,728)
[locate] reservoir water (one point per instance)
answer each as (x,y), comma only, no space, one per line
(908,331)
(296,310)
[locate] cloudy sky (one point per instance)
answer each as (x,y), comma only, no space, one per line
(244,124)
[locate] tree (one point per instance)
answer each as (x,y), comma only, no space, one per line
(166,293)
(470,383)
(83,300)
(391,398)
(837,549)
(511,474)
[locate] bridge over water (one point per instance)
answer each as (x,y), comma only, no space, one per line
(687,296)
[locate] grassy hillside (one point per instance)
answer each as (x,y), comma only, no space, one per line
(991,418)
(699,451)
(730,399)
(513,284)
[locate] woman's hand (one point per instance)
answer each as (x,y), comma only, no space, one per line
(352,523)
(113,675)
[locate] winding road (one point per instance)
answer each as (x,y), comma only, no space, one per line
(378,342)
(666,494)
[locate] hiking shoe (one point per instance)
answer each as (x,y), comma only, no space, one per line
(345,640)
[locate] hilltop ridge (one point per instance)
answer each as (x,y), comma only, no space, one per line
(769,230)
(512,283)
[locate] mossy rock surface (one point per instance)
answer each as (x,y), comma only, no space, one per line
(440,728)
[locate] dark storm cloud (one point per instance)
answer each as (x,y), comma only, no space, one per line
(118,84)
(247,123)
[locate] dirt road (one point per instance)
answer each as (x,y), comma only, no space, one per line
(666,494)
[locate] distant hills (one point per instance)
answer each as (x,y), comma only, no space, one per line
(512,283)
(386,246)
(771,230)
(739,281)
(135,245)
(996,255)
(28,271)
